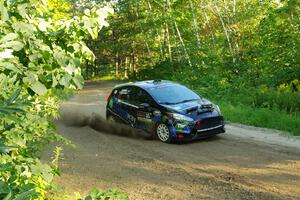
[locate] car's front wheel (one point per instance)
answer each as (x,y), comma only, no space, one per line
(163,133)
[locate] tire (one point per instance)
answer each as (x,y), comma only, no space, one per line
(162,132)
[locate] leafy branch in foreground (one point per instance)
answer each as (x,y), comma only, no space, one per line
(38,57)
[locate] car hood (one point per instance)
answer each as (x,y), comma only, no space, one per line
(192,108)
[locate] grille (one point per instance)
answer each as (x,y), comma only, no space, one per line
(210,122)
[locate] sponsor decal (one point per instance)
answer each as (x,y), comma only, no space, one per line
(143,116)
(148,115)
(157,113)
(131,118)
(111,103)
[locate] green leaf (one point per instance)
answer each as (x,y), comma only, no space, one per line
(4,188)
(6,149)
(88,198)
(23,27)
(10,66)
(14,96)
(9,37)
(44,170)
(6,54)
(25,195)
(6,167)
(7,110)
(3,10)
(54,81)
(78,80)
(30,78)
(65,80)
(8,197)
(22,9)
(39,88)
(15,45)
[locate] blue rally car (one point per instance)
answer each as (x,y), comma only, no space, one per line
(168,110)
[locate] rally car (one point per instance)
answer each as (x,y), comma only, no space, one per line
(167,110)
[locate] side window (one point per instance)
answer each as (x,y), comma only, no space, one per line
(115,93)
(148,99)
(142,97)
(123,94)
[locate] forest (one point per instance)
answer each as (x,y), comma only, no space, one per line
(244,55)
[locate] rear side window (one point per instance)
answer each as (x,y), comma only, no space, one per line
(122,94)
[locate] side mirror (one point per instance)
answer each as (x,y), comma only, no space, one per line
(144,105)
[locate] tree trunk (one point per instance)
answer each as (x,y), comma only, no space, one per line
(195,24)
(145,38)
(87,71)
(180,38)
(183,45)
(210,29)
(225,30)
(158,36)
(117,64)
(126,67)
(160,45)
(233,6)
(133,65)
(169,44)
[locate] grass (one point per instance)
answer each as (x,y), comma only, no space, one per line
(108,77)
(262,117)
(237,108)
(246,114)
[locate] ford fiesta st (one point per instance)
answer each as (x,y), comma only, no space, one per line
(168,110)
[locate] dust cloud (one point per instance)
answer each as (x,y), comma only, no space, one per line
(97,122)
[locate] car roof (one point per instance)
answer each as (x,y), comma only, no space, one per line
(149,84)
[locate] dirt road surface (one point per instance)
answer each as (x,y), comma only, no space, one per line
(244,163)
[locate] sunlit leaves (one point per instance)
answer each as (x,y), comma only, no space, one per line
(38,88)
(6,54)
(9,37)
(26,29)
(3,11)
(40,58)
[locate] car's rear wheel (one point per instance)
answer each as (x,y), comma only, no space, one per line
(163,133)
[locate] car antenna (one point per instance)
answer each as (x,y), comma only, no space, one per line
(156,81)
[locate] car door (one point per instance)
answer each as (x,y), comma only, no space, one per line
(122,107)
(144,108)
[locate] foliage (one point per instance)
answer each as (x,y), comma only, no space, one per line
(39,58)
(262,117)
(107,195)
(60,9)
(238,52)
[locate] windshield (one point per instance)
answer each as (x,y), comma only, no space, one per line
(173,94)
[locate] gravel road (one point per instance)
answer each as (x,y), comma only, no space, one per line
(244,163)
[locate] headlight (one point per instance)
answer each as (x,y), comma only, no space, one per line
(180,117)
(218,109)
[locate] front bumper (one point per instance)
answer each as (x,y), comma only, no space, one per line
(201,134)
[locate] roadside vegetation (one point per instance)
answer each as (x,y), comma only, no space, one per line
(40,60)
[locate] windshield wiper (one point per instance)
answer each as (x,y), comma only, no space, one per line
(187,100)
(184,101)
(167,103)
